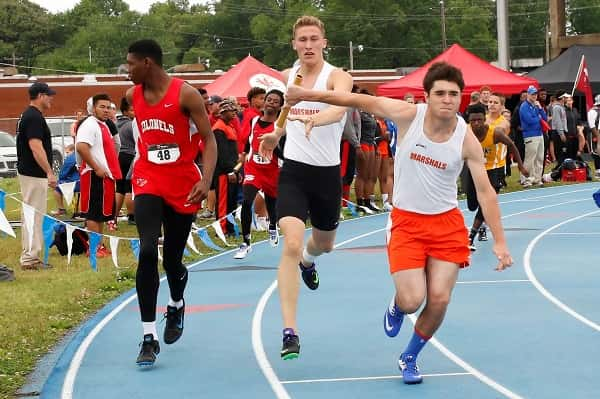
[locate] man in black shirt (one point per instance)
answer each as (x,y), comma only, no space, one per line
(34,160)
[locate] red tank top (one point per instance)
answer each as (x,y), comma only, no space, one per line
(254,159)
(167,141)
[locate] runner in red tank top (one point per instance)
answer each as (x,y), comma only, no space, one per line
(260,173)
(167,185)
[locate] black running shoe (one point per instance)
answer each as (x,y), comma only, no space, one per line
(148,351)
(310,276)
(174,324)
(291,345)
(482,234)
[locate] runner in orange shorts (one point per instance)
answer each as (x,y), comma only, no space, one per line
(426,235)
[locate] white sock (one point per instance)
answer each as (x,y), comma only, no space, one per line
(384,197)
(175,304)
(372,197)
(150,328)
(307,259)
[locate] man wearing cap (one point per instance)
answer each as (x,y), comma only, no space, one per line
(225,177)
(213,108)
(593,118)
(530,114)
(34,166)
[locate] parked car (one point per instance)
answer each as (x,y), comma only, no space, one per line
(60,128)
(8,155)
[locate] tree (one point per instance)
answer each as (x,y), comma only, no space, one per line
(24,31)
(584,16)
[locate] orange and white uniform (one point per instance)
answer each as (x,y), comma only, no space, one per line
(425,221)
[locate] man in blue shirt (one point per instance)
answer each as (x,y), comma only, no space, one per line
(530,114)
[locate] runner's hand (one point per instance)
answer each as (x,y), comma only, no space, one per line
(293,95)
(198,192)
(268,142)
(308,121)
(504,258)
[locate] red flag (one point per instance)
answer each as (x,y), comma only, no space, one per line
(582,83)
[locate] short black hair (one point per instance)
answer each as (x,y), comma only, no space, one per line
(125,106)
(478,108)
(147,48)
(202,91)
(443,71)
(255,91)
(278,93)
(100,97)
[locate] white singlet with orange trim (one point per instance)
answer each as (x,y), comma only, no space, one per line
(426,172)
(322,148)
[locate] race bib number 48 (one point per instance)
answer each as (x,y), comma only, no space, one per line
(163,153)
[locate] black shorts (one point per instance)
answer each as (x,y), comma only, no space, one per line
(310,191)
(124,185)
(496,177)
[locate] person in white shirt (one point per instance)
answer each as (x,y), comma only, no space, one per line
(426,238)
(309,182)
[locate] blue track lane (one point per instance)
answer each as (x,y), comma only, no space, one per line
(499,324)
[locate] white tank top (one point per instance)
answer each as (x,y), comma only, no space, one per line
(323,147)
(426,172)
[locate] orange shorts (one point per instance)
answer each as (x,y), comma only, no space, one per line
(413,237)
(367,147)
(382,148)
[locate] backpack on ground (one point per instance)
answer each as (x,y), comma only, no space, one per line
(80,241)
(6,274)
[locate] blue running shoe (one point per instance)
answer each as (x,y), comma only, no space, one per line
(392,320)
(310,276)
(410,371)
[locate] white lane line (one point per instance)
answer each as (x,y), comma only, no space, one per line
(538,197)
(573,234)
(276,384)
(492,281)
(383,377)
(540,287)
(466,366)
(69,382)
(257,344)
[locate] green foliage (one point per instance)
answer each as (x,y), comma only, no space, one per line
(584,16)
(391,33)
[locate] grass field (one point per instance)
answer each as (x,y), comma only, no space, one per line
(41,306)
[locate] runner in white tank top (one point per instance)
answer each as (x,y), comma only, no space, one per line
(427,238)
(309,181)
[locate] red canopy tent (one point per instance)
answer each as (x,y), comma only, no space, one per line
(476,73)
(242,77)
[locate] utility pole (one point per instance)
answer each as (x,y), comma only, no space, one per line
(443,12)
(503,37)
(351,48)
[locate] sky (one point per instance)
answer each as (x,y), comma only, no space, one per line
(55,6)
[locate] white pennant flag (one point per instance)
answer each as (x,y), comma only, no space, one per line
(70,230)
(29,217)
(238,213)
(217,226)
(190,243)
(5,226)
(114,244)
(67,190)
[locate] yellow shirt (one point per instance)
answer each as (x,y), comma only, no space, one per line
(494,153)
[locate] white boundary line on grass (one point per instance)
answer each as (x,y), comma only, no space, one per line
(540,287)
